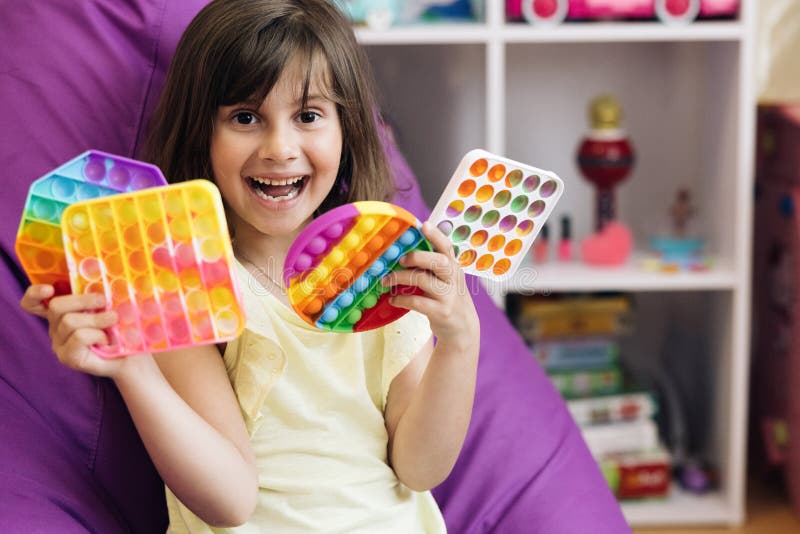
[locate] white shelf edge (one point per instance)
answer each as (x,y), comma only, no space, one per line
(463,33)
(680,508)
(475,32)
(575,276)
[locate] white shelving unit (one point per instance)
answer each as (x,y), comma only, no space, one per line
(689,104)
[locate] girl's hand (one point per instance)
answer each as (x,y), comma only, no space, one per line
(35,299)
(76,325)
(446,300)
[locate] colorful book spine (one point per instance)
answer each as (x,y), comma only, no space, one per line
(612,408)
(589,353)
(574,383)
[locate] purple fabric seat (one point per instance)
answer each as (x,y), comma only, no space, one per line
(80,74)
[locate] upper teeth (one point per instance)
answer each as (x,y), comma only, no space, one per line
(267,181)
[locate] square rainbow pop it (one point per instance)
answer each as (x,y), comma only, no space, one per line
(39,243)
(163,259)
(492,209)
(333,268)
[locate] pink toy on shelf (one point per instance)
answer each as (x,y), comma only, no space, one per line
(668,11)
(610,246)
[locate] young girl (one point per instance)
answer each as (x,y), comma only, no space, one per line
(288,429)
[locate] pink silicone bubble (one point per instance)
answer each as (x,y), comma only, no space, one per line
(548,188)
(154,333)
(172,305)
(214,272)
(127,313)
(119,177)
(508,223)
(130,337)
(317,245)
(334,231)
(178,331)
(162,257)
(536,208)
(142,180)
(302,263)
(531,183)
(184,256)
(95,170)
(150,310)
(202,327)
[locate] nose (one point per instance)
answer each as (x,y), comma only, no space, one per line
(279,144)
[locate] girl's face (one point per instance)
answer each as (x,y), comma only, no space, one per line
(275,161)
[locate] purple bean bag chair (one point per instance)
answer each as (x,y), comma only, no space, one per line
(80,74)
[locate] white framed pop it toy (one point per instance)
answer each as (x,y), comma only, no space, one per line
(492,209)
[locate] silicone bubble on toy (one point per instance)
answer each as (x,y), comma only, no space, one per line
(39,245)
(491,209)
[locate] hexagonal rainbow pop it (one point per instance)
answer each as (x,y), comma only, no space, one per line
(492,209)
(39,244)
(163,259)
(334,267)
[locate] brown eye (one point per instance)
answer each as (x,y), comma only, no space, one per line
(308,116)
(244,117)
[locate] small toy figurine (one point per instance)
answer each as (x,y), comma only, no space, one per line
(681,211)
(605,156)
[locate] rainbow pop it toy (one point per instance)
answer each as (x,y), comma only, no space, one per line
(92,174)
(163,259)
(492,209)
(334,267)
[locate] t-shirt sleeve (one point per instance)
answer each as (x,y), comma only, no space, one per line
(403,339)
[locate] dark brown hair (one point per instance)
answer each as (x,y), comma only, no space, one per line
(235,51)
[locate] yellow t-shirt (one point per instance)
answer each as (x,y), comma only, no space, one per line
(313,403)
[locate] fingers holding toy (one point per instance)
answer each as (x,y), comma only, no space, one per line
(445,299)
(75,326)
(36,298)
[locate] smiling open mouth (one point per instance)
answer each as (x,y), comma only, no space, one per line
(277,190)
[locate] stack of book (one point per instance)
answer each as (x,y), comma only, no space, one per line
(576,340)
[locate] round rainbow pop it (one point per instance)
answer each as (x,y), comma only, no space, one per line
(333,268)
(492,209)
(163,259)
(39,243)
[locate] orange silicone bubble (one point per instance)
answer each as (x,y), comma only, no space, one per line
(501,267)
(497,173)
(467,257)
(479,167)
(466,188)
(496,243)
(484,193)
(513,247)
(478,238)
(484,262)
